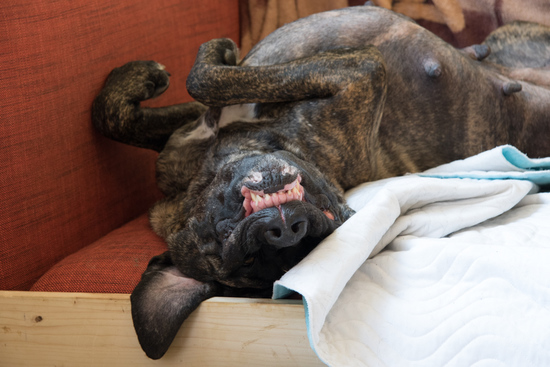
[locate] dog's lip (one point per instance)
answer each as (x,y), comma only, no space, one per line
(255,181)
(256,200)
(247,192)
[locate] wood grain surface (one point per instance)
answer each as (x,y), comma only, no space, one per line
(80,329)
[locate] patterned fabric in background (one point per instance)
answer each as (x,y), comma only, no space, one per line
(459,22)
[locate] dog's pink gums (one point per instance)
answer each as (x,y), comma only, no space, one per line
(257,200)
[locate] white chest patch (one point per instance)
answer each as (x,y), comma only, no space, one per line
(201,132)
(230,114)
(239,112)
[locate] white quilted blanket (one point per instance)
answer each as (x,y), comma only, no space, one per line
(436,272)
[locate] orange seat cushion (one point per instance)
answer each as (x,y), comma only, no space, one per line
(112,264)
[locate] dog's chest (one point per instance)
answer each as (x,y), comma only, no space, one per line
(242,113)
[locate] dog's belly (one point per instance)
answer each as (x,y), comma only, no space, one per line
(205,130)
(356,27)
(427,120)
(403,45)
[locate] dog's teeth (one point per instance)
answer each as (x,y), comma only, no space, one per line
(254,208)
(261,204)
(254,202)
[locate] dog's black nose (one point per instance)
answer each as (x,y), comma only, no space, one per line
(285,233)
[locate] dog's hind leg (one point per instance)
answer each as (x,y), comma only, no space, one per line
(520,45)
(117,114)
(524,48)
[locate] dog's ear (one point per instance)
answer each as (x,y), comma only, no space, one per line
(161,301)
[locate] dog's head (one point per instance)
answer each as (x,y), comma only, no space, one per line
(239,227)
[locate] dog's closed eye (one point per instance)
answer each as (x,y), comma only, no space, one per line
(249,261)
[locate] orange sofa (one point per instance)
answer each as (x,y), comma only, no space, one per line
(65,188)
(74,204)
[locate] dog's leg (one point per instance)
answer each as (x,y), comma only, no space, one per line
(117,114)
(519,45)
(215,81)
(524,48)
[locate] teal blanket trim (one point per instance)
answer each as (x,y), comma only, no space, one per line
(524,168)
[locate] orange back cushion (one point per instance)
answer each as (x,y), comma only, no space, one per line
(62,185)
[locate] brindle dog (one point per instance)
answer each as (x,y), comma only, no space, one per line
(256,180)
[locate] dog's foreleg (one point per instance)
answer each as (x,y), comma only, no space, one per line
(117,114)
(215,81)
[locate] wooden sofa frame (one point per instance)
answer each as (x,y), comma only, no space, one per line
(83,329)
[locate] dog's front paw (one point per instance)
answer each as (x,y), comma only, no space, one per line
(231,54)
(219,51)
(139,80)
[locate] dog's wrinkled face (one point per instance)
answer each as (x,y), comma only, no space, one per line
(256,218)
(235,231)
